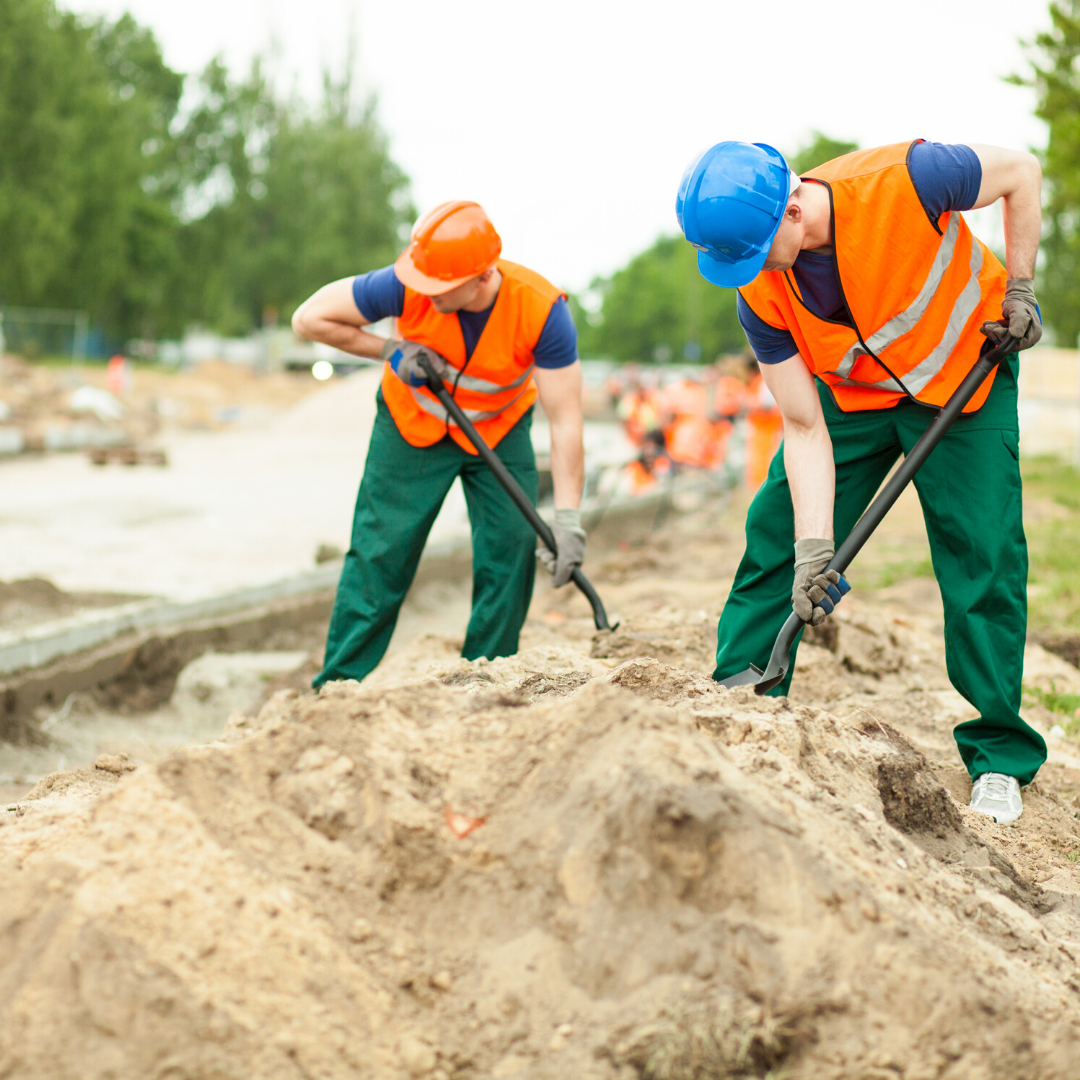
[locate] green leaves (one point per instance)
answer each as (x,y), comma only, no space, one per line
(1054,75)
(658,307)
(152,214)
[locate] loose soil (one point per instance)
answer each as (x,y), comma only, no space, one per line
(586,860)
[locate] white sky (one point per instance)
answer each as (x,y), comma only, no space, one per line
(572,121)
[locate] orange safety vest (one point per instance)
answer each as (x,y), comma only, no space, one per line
(917,288)
(496,386)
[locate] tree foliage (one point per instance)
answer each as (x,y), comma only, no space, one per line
(658,307)
(153,208)
(821,148)
(1055,75)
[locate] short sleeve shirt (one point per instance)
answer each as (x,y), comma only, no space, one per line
(380,295)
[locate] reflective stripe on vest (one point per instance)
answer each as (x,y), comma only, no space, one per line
(483,386)
(963,308)
(435,408)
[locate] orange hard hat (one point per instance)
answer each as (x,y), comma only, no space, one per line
(450,244)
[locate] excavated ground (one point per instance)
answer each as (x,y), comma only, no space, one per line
(583,861)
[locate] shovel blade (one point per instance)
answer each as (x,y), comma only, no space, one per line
(749,677)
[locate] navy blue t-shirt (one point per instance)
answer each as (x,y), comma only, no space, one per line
(946,177)
(380,295)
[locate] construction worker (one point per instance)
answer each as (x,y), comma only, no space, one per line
(866,300)
(499,335)
(764,430)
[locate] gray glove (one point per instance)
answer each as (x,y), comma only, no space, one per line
(811,579)
(402,356)
(1021,315)
(570,540)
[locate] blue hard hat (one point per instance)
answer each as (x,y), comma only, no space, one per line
(731,201)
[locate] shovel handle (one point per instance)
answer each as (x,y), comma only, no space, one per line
(780,659)
(511,487)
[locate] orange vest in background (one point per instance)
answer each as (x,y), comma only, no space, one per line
(917,289)
(496,386)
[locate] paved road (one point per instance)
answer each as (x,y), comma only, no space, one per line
(233,509)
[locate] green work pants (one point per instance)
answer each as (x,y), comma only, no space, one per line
(969,489)
(401,492)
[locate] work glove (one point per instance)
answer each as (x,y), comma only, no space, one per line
(1021,315)
(403,358)
(570,540)
(816,591)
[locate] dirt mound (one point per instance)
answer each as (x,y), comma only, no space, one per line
(553,865)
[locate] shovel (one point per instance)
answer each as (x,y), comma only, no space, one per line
(780,660)
(511,487)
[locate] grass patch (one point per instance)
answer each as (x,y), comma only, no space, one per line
(1054,573)
(1067,706)
(892,573)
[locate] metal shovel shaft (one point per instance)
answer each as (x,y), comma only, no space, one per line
(511,487)
(780,659)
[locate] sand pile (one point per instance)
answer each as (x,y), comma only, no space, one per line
(570,863)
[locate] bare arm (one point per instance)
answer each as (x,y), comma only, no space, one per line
(808,453)
(560,395)
(1016,177)
(332,317)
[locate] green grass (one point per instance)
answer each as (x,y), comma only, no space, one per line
(1053,545)
(891,573)
(1067,706)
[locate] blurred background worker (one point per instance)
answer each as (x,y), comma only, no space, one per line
(867,301)
(499,335)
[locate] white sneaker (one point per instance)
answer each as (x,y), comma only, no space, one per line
(998,796)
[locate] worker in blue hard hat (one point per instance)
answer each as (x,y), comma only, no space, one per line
(867,301)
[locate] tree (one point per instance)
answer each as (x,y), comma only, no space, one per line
(821,149)
(1054,60)
(84,112)
(277,198)
(114,201)
(658,307)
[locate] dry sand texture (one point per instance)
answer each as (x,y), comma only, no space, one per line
(583,861)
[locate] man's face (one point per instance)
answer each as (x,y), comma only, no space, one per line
(787,243)
(456,299)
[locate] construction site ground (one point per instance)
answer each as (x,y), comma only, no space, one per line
(586,860)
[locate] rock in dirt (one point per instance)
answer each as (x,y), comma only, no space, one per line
(669,881)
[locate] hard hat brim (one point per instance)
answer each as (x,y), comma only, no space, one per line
(729,275)
(413,279)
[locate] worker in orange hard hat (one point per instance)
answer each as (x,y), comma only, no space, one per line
(500,336)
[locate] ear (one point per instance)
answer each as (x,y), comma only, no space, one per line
(793,212)
(485,277)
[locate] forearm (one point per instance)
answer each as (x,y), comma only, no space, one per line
(808,460)
(1015,177)
(1022,216)
(567,460)
(331,317)
(343,336)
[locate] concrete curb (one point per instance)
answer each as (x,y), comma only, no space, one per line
(41,644)
(46,642)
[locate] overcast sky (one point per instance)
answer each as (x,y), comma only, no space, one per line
(572,122)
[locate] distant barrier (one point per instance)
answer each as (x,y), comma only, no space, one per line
(1049,403)
(34,332)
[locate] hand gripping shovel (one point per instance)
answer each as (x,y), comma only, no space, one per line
(780,659)
(511,487)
